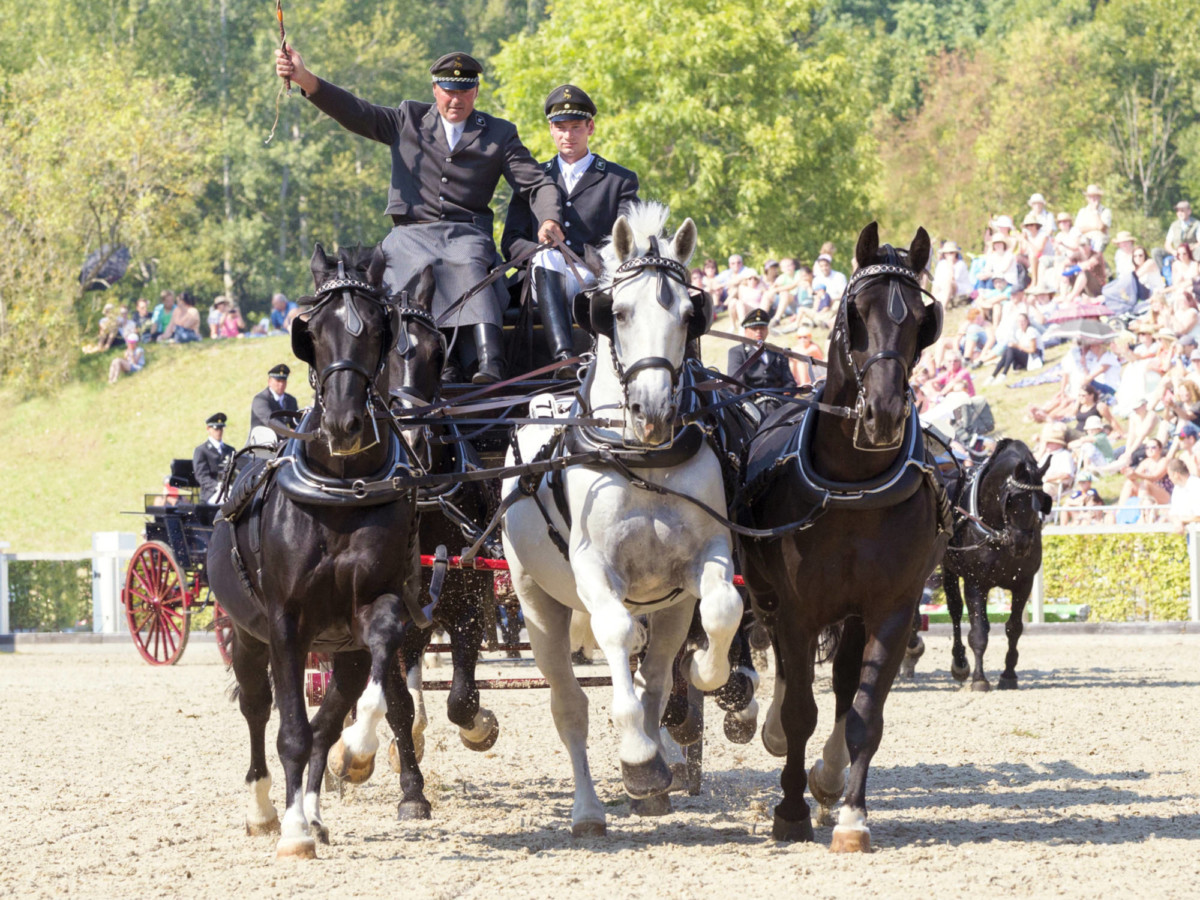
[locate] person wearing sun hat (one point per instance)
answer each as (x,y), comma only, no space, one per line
(1185,229)
(1094,219)
(210,459)
(594,192)
(447,159)
(1037,207)
(1061,471)
(951,276)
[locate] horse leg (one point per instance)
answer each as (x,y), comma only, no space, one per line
(353,757)
(683,717)
(864,724)
(549,625)
(1012,630)
(954,605)
(478,728)
(915,649)
(295,734)
(667,631)
(400,715)
(737,695)
(773,737)
(349,677)
(978,638)
(250,657)
(798,712)
(720,614)
(827,778)
(410,739)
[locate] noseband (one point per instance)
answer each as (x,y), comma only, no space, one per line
(897,276)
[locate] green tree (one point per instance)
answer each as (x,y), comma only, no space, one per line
(716,107)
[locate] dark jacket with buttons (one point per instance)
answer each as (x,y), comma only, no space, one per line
(431,182)
(264,404)
(208,465)
(604,193)
(770,370)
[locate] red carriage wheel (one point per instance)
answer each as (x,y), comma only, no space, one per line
(156,602)
(223,627)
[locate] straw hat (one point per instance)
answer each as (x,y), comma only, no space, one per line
(1039,290)
(1054,432)
(1123,236)
(1002,222)
(1093,423)
(1037,198)
(1007,240)
(1031,219)
(949,247)
(1093,190)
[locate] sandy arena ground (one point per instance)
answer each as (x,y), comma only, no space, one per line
(124,780)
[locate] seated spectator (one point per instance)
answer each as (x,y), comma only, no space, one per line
(828,284)
(1185,229)
(161,315)
(1185,498)
(1148,479)
(132,360)
(952,283)
(1018,351)
(142,320)
(1148,275)
(1094,219)
(1101,367)
(749,297)
(1094,448)
(230,323)
(956,378)
(1185,447)
(281,309)
(1037,207)
(1033,242)
(803,372)
(1084,274)
(1083,498)
(1000,261)
(185,321)
(975,334)
(1060,474)
(1124,244)
(732,277)
(781,292)
(109,329)
(1184,272)
(712,284)
(804,301)
(219,304)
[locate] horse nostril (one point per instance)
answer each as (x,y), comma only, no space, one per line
(635,408)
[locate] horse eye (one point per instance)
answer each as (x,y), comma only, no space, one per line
(620,316)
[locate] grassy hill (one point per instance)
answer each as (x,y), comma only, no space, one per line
(76,463)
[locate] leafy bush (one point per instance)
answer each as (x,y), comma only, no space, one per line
(50,595)
(1123,577)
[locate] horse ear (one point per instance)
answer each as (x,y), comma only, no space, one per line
(319,264)
(868,245)
(1041,472)
(623,239)
(377,266)
(918,250)
(684,242)
(931,327)
(600,314)
(302,342)
(425,288)
(581,311)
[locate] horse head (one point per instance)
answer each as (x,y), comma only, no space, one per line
(643,314)
(344,333)
(415,369)
(881,328)
(1013,483)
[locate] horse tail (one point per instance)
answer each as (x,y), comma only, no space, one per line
(828,641)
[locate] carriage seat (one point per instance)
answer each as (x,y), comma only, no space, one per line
(182,474)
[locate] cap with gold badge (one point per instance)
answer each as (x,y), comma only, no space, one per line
(456,72)
(568,102)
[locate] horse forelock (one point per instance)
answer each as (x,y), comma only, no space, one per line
(647,220)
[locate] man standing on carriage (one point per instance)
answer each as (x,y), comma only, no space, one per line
(593,192)
(447,158)
(273,398)
(210,459)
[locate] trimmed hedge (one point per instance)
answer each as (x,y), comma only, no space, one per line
(1123,577)
(50,595)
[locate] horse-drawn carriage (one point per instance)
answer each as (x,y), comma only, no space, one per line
(166,582)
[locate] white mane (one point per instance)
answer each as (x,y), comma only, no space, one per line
(647,219)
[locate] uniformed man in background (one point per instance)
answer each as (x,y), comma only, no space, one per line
(210,458)
(770,370)
(274,397)
(593,192)
(447,158)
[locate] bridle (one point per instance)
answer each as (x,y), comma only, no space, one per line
(350,290)
(897,276)
(405,347)
(992,537)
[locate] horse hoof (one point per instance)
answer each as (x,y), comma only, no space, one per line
(413,810)
(319,831)
(736,694)
(296,848)
(847,839)
(783,830)
(679,777)
(760,638)
(487,743)
(689,731)
(827,798)
(915,651)
(959,673)
(355,770)
(588,829)
(772,745)
(738,730)
(646,779)
(908,669)
(1008,683)
(825,817)
(654,805)
(257,829)
(981,687)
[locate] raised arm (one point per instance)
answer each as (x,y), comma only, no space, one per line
(379,123)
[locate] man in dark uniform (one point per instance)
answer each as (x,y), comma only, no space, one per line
(770,370)
(447,159)
(270,399)
(593,192)
(210,459)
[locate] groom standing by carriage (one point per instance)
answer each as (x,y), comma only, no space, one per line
(593,192)
(447,158)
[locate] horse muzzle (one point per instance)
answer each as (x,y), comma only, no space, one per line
(880,423)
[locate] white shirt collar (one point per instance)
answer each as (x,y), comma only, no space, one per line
(453,131)
(217,445)
(572,172)
(278,397)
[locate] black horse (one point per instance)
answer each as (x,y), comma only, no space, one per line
(998,545)
(863,520)
(315,551)
(452,515)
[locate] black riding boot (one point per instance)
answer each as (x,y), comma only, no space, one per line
(551,290)
(489,346)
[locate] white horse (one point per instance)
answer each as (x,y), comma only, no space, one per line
(630,551)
